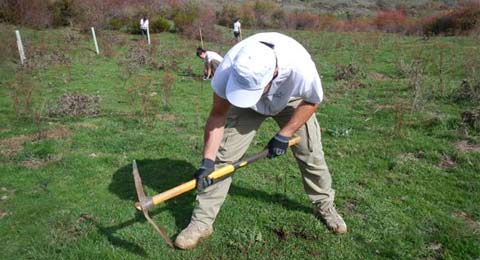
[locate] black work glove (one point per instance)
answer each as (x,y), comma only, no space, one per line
(278,145)
(201,175)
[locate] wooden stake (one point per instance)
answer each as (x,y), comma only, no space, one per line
(95,41)
(21,51)
(201,37)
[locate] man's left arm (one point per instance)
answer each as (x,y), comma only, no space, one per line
(278,145)
(301,115)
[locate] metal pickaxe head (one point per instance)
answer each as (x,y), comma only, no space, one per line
(145,203)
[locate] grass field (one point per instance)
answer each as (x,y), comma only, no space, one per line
(405,163)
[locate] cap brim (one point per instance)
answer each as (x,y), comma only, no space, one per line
(241,97)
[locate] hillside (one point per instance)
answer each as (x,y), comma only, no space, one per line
(400,127)
(367,7)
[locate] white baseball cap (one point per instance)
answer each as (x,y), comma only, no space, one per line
(252,69)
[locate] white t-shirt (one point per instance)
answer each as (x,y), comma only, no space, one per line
(297,74)
(143,24)
(236,26)
(211,55)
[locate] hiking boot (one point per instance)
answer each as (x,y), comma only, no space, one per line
(331,218)
(190,236)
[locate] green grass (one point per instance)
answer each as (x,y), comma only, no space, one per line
(396,198)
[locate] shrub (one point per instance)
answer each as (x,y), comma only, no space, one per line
(33,13)
(133,26)
(263,10)
(62,12)
(391,21)
(228,14)
(302,20)
(247,14)
(188,20)
(159,24)
(459,21)
(116,23)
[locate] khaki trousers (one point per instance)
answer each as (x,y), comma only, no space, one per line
(240,129)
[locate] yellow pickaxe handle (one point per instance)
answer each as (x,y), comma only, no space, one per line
(188,186)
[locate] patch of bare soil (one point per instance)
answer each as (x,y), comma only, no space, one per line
(436,248)
(57,133)
(465,147)
(87,125)
(37,163)
(11,146)
(447,162)
(3,213)
(167,117)
(378,76)
(469,222)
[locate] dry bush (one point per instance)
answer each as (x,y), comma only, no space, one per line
(22,91)
(108,43)
(168,80)
(72,37)
(469,89)
(42,56)
(415,72)
(70,104)
(143,94)
(391,21)
(138,55)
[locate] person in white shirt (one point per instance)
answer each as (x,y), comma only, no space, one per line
(265,75)
(144,26)
(237,30)
(211,60)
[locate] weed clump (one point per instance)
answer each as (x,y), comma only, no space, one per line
(468,91)
(167,84)
(75,105)
(471,118)
(346,72)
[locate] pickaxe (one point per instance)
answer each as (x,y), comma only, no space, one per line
(145,203)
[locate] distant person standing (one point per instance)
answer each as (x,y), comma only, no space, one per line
(237,30)
(211,61)
(144,26)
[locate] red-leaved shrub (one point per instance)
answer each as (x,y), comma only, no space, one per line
(391,21)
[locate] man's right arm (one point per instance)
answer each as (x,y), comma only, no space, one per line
(214,128)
